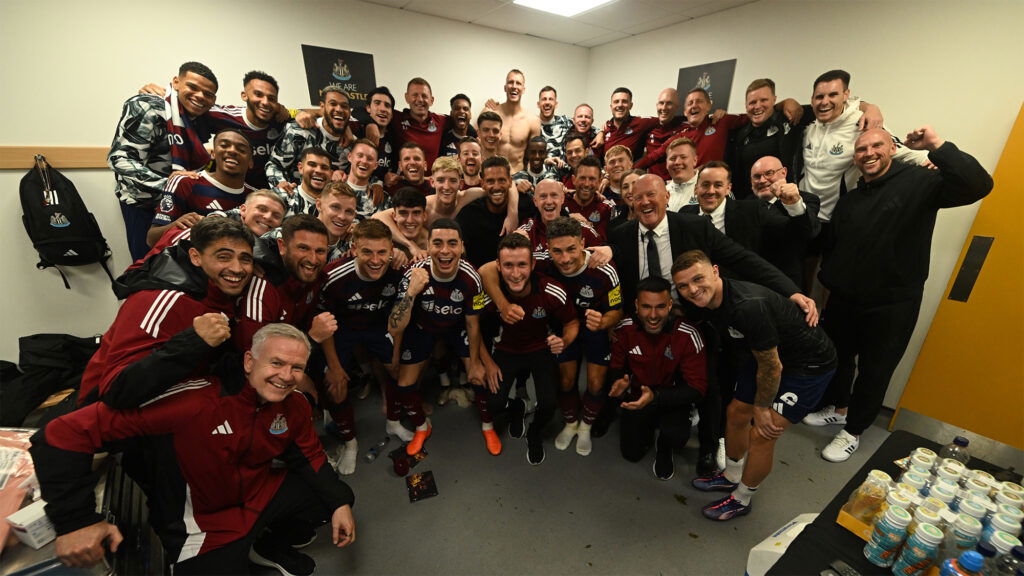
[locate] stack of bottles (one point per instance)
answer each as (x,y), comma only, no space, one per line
(941,513)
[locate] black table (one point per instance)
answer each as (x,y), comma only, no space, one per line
(823,541)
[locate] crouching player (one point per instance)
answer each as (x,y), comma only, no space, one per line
(793,366)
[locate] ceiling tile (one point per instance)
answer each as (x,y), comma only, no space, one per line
(526,21)
(673,6)
(461,10)
(621,14)
(391,3)
(656,24)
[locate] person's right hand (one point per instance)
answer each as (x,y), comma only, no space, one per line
(213,328)
(85,547)
(512,313)
(153,89)
(187,221)
(337,384)
(287,187)
(619,386)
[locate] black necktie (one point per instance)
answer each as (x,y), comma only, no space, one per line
(653,260)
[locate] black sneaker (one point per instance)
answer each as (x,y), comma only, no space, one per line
(535,453)
(664,465)
(706,465)
(517,419)
(299,536)
(271,553)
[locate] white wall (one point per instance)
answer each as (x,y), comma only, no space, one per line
(942,62)
(68,66)
(950,64)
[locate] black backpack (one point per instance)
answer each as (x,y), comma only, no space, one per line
(61,228)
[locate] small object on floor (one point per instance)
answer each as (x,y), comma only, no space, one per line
(375,450)
(664,465)
(720,454)
(824,417)
(347,459)
(841,447)
(400,454)
(706,464)
(725,509)
(416,444)
(535,453)
(517,419)
(564,438)
(444,396)
(716,482)
(463,396)
(401,466)
(275,554)
(395,428)
(583,443)
(421,485)
(493,442)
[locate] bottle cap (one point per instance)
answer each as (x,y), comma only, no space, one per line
(961,441)
(972,508)
(1011,498)
(985,549)
(971,560)
(1018,552)
(928,533)
(968,524)
(1006,523)
(897,516)
(1003,542)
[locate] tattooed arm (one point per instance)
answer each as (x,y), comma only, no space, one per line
(401,313)
(769,374)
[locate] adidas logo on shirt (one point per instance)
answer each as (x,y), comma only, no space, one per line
(224,428)
(355,297)
(70,252)
(636,351)
(214,206)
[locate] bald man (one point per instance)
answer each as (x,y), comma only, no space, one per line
(670,125)
(784,247)
(875,265)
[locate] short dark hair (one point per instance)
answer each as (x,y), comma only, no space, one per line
(589,161)
(514,242)
(655,284)
(574,136)
(209,230)
(236,131)
(488,115)
(446,224)
(315,151)
(537,139)
(688,259)
(564,226)
(200,69)
(409,197)
(383,90)
(259,75)
(467,140)
(831,75)
(547,89)
(409,145)
(337,88)
(496,161)
(301,222)
(621,89)
(716,164)
(459,96)
(702,91)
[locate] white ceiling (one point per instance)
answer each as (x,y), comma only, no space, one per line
(614,21)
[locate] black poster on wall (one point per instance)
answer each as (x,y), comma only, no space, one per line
(715,78)
(352,70)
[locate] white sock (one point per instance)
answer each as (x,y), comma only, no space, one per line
(744,493)
(487,426)
(347,462)
(424,427)
(734,469)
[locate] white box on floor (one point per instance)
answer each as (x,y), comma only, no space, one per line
(32,526)
(763,556)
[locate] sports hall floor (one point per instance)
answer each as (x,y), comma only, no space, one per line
(570,515)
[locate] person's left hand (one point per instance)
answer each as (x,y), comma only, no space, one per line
(343,527)
(324,326)
(646,397)
(808,306)
(764,424)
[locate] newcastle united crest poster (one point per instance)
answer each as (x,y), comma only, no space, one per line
(352,70)
(715,78)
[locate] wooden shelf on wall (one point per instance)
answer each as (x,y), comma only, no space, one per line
(60,157)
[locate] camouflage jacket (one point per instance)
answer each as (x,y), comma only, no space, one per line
(140,154)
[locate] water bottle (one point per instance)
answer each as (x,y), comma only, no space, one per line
(920,552)
(1001,523)
(375,450)
(887,537)
(957,450)
(968,564)
(988,556)
(1008,564)
(963,535)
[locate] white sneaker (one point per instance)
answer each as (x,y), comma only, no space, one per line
(583,443)
(720,454)
(565,437)
(395,428)
(841,447)
(824,417)
(348,457)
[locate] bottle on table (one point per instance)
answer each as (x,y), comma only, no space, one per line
(1008,564)
(957,450)
(963,535)
(887,537)
(865,501)
(968,564)
(920,552)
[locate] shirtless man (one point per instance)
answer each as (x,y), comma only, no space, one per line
(517,127)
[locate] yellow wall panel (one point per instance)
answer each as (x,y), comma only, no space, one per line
(970,372)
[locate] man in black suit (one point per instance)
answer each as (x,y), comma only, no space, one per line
(785,247)
(655,239)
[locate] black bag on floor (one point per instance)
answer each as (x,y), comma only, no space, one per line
(49,363)
(61,228)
